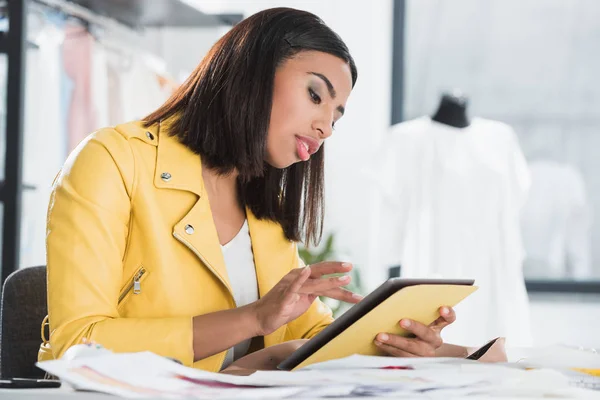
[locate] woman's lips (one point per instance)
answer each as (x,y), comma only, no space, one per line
(312,144)
(303,149)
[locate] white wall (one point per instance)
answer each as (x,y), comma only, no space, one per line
(182,49)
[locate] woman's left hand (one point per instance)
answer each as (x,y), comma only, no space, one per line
(426,341)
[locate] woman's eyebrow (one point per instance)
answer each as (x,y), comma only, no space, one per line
(330,88)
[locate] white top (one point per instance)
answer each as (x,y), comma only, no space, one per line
(556,222)
(239,261)
(450,209)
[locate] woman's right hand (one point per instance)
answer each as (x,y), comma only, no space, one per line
(296,291)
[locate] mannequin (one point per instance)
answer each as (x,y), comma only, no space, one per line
(452,110)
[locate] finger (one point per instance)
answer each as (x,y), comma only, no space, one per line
(415,347)
(291,276)
(342,295)
(297,283)
(422,332)
(447,316)
(323,284)
(392,351)
(329,267)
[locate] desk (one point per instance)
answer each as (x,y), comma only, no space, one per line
(68,394)
(53,394)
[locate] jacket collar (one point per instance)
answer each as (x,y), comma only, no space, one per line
(177,167)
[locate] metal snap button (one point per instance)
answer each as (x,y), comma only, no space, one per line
(165,176)
(189,229)
(150,135)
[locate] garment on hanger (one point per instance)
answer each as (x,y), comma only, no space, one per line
(134,83)
(70,91)
(113,82)
(140,90)
(43,133)
(556,222)
(77,61)
(451,201)
(100,87)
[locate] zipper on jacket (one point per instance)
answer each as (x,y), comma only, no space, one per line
(134,285)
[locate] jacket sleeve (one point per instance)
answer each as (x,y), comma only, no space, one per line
(313,321)
(87,230)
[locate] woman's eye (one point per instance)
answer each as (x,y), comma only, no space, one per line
(315,97)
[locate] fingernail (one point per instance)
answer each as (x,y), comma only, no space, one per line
(383,337)
(343,278)
(444,311)
(357,296)
(346,265)
(405,323)
(377,342)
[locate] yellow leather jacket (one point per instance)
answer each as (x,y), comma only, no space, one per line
(133,253)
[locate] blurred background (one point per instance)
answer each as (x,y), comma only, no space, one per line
(524,73)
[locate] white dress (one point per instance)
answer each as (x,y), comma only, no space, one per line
(451,201)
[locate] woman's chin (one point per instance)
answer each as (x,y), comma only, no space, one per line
(282,164)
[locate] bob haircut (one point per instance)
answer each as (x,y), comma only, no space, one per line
(222,112)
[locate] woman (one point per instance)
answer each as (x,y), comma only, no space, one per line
(178,234)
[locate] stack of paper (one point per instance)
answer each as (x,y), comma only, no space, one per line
(581,365)
(149,375)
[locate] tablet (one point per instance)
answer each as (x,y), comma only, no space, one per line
(354,331)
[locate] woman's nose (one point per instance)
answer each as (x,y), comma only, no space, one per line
(323,129)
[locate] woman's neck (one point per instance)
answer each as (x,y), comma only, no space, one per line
(219,184)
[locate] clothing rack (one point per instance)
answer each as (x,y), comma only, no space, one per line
(139,14)
(114,15)
(79,12)
(13,46)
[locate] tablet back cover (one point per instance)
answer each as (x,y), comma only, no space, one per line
(419,303)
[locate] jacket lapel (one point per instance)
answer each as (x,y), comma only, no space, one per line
(274,257)
(274,254)
(178,168)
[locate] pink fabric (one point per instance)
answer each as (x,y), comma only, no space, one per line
(77,60)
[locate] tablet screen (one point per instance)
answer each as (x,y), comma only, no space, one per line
(360,309)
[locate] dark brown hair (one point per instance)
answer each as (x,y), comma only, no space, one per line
(222,113)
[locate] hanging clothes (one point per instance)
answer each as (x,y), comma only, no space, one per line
(100,87)
(556,222)
(43,152)
(450,209)
(141,91)
(115,107)
(77,61)
(74,85)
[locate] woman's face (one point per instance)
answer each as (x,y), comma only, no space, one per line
(310,94)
